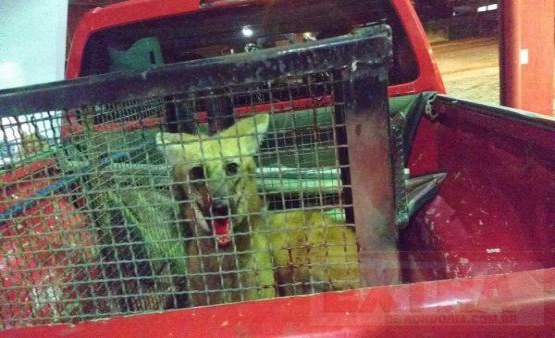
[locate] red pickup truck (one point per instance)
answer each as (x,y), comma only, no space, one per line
(475,246)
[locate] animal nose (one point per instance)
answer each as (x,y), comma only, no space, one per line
(219,208)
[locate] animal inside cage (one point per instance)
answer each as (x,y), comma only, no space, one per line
(215,181)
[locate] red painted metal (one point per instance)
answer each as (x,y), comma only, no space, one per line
(43,245)
(495,212)
(429,78)
(509,53)
(141,10)
(424,156)
(527,52)
(72,126)
(12,177)
(515,305)
(75,128)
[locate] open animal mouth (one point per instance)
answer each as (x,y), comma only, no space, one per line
(222,230)
(221,223)
(213,217)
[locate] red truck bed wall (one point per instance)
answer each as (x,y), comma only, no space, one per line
(495,212)
(515,305)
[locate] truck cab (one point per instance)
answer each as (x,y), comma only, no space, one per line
(183,27)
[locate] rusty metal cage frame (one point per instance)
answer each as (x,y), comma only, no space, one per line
(371,158)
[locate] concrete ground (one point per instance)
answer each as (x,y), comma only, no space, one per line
(470,68)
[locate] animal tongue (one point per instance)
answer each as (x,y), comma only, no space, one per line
(222,227)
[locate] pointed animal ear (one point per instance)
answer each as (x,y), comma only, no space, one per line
(174,145)
(250,133)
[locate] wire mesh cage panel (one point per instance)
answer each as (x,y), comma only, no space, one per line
(207,182)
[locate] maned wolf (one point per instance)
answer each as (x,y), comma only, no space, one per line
(235,244)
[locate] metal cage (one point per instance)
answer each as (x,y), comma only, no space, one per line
(260,175)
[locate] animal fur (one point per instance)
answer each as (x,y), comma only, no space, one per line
(312,253)
(291,252)
(32,144)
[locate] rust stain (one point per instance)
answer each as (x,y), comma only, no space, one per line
(358,129)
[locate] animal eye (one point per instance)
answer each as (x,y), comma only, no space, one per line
(231,168)
(196,172)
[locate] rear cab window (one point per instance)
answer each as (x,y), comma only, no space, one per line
(220,31)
